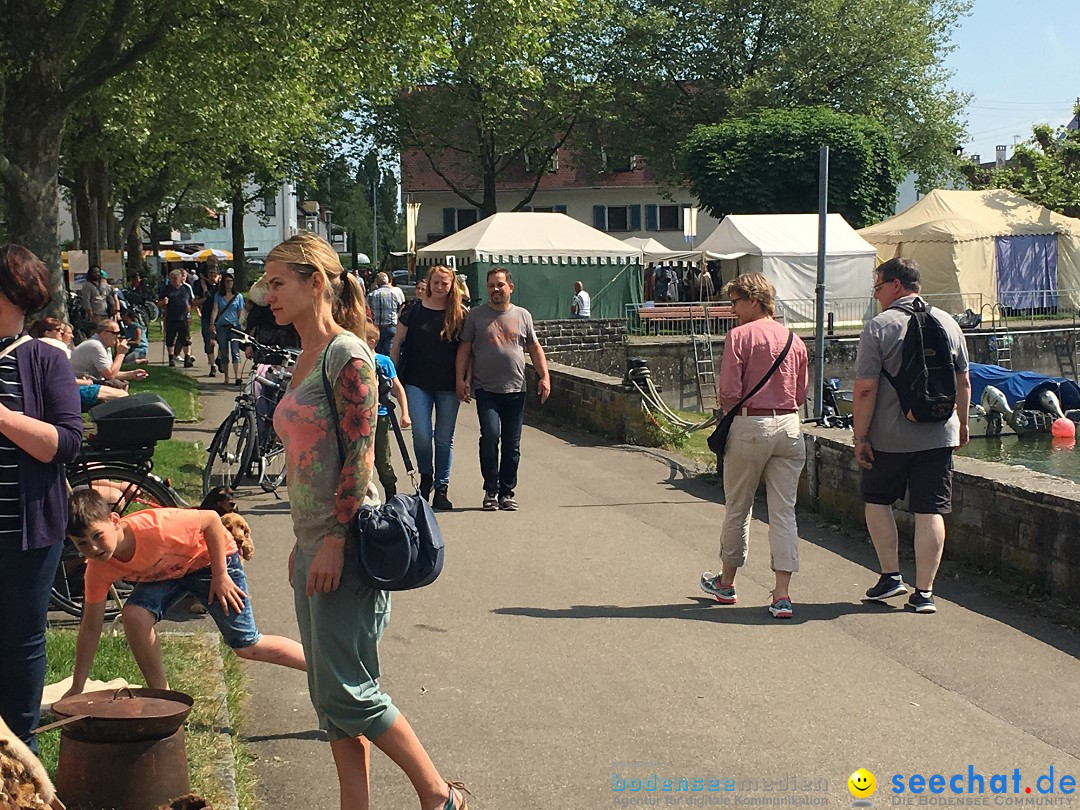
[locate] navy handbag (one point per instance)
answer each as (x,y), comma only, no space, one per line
(398,545)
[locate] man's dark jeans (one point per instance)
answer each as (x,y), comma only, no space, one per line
(25,579)
(386,339)
(500,416)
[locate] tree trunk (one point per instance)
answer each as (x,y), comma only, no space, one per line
(86,212)
(239,207)
(133,239)
(31,143)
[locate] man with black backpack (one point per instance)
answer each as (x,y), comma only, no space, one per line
(911,400)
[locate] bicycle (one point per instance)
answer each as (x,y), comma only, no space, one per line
(246,443)
(124,475)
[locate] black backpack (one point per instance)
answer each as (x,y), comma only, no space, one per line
(926,380)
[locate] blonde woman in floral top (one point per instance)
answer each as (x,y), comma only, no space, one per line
(335,612)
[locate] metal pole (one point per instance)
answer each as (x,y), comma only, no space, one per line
(819,326)
(375,221)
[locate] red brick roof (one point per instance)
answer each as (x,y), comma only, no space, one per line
(417,175)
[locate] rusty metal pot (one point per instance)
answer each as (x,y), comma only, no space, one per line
(126,715)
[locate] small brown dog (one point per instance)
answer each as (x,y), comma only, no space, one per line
(220,500)
(241,532)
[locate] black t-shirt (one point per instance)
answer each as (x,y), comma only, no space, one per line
(428,359)
(178,306)
(205,290)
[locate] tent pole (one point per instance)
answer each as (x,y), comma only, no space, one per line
(819,326)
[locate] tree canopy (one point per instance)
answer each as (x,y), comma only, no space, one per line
(689,62)
(767,163)
(1045,170)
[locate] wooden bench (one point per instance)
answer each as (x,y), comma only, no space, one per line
(656,317)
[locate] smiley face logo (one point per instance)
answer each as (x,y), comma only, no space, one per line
(862,784)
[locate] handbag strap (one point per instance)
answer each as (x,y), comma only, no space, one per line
(336,422)
(769,373)
(14,345)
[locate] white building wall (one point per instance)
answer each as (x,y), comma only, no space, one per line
(579,204)
(259,238)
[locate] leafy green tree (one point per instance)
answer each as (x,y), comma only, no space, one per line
(689,62)
(1045,170)
(348,186)
(767,163)
(507,85)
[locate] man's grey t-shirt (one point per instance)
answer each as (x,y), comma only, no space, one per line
(880,347)
(499,340)
(90,358)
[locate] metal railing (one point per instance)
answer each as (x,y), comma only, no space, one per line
(848,314)
(1039,306)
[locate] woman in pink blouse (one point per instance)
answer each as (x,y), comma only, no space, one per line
(765,439)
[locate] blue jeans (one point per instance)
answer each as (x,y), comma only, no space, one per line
(238,629)
(386,339)
(500,417)
(445,405)
(25,580)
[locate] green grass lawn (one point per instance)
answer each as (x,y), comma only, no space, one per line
(190,661)
(182,464)
(175,387)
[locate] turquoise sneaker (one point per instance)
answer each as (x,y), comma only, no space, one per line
(724,594)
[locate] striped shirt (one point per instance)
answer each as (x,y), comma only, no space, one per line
(10,509)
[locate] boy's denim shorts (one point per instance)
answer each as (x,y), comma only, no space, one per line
(238,629)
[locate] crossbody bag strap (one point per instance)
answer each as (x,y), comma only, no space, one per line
(769,373)
(14,345)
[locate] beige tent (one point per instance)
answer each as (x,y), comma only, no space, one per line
(653,252)
(993,244)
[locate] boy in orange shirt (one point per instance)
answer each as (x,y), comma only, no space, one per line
(167,553)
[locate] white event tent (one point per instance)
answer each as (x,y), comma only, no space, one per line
(653,252)
(784,248)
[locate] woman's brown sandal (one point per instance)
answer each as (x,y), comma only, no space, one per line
(461,789)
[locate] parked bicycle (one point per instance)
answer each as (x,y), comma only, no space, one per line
(246,444)
(124,475)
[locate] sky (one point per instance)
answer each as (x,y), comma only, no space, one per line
(1018,59)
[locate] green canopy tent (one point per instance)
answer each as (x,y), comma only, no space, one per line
(546,254)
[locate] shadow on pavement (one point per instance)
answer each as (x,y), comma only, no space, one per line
(698,609)
(313,734)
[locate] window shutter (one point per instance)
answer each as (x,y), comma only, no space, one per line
(652,217)
(599,217)
(559,209)
(635,217)
(449,220)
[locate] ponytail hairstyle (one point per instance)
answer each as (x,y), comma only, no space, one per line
(454,315)
(307,254)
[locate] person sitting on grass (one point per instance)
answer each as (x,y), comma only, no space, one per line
(59,334)
(387,476)
(167,553)
(135,335)
(91,358)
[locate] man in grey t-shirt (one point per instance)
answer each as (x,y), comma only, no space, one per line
(491,358)
(899,456)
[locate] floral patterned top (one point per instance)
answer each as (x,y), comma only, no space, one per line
(324,495)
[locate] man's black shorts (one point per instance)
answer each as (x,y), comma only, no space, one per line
(178,334)
(926,473)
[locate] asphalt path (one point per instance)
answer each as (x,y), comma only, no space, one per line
(566,651)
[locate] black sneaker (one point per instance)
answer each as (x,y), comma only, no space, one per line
(440,501)
(491,501)
(426,483)
(921,602)
(888,586)
(189,362)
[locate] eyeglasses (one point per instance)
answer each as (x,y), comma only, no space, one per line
(734,301)
(113,331)
(883,283)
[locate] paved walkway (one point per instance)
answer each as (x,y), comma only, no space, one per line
(566,647)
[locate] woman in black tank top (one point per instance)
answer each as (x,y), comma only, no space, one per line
(424,351)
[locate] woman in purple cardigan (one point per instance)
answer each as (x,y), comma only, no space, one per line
(40,430)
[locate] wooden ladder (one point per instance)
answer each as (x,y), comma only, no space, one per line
(704,370)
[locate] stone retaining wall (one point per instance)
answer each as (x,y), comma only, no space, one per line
(1020,525)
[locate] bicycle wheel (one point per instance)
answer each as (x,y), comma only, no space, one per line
(230,452)
(272,464)
(127,490)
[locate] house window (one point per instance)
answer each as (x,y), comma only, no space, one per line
(669,218)
(663,218)
(546,209)
(269,206)
(455,219)
(616,218)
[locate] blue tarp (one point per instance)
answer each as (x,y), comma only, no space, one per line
(1027,271)
(1016,385)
